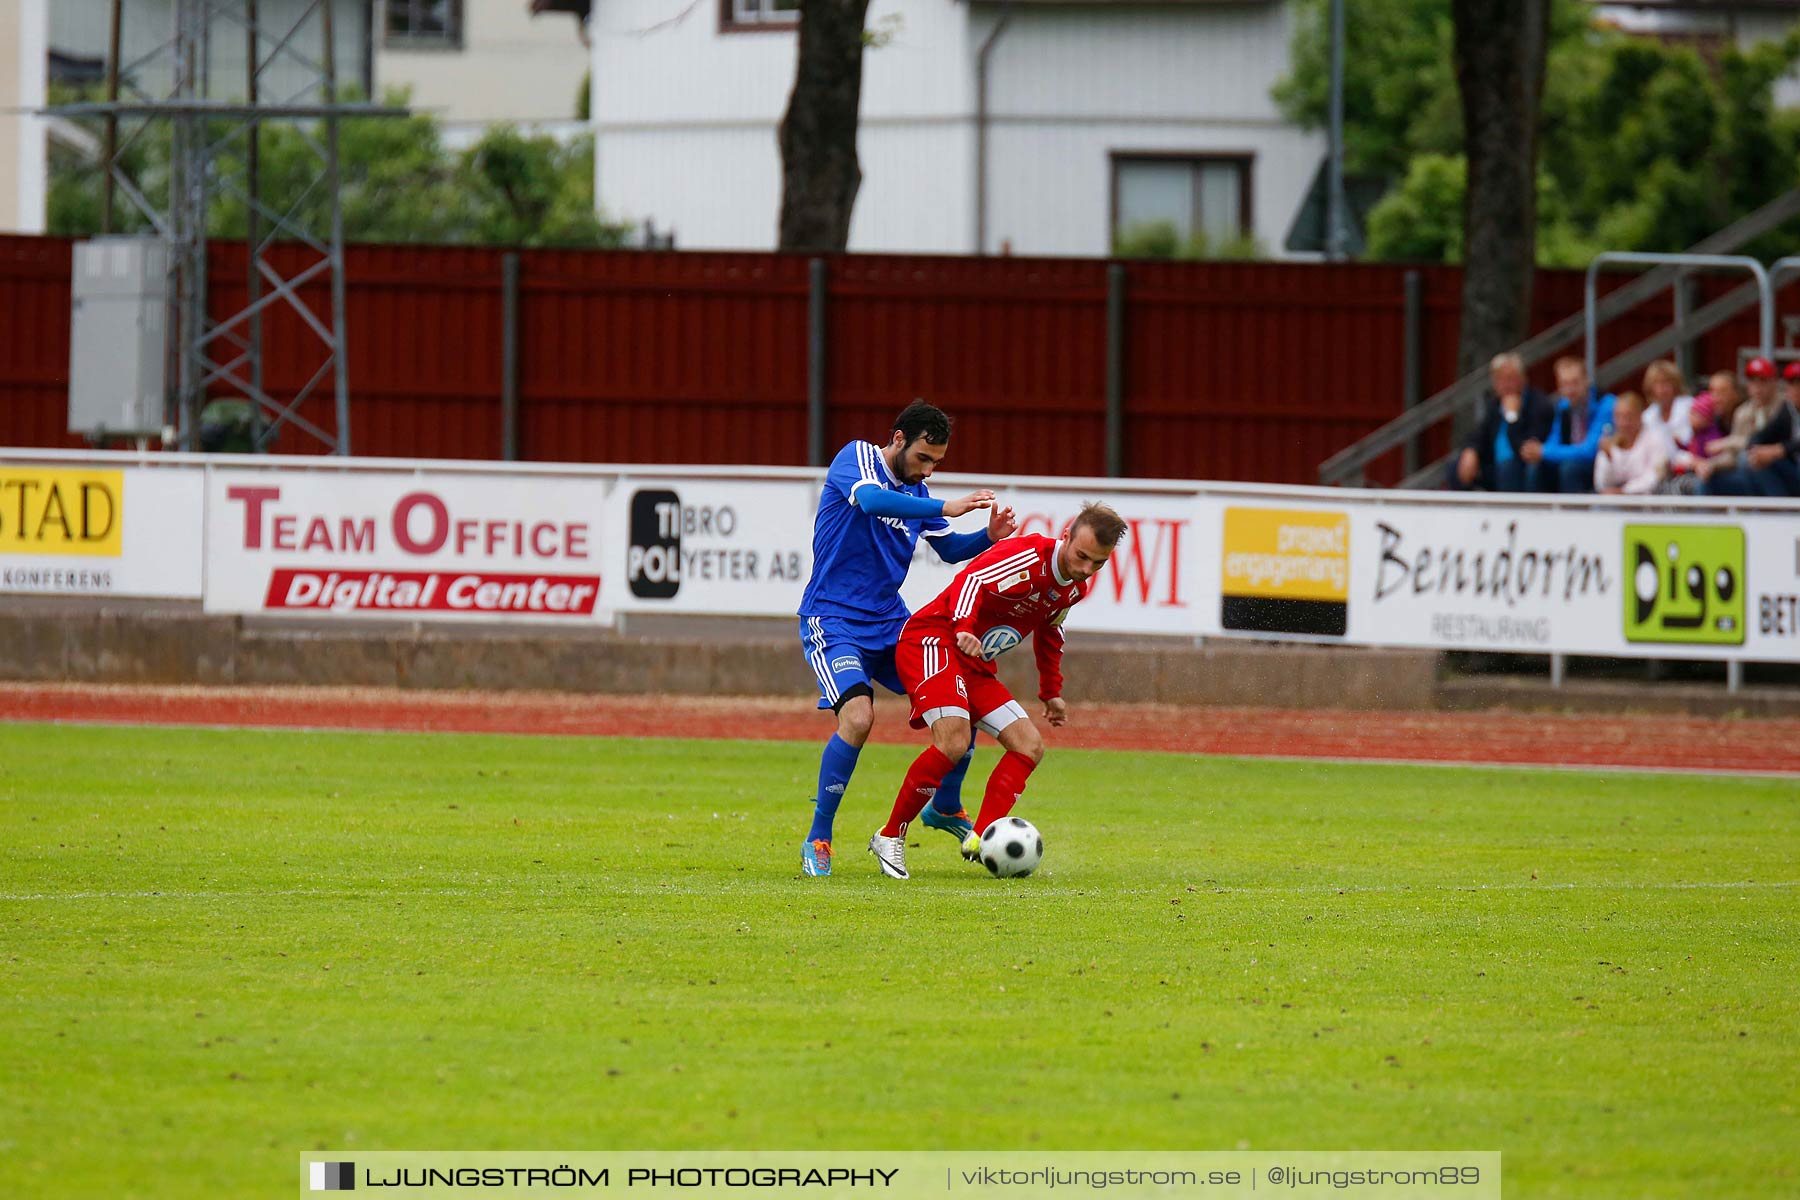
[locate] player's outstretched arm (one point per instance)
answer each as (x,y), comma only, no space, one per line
(954,547)
(879,502)
(981,498)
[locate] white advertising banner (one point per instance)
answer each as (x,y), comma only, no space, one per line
(1772,589)
(427,541)
(1149,584)
(100,529)
(722,546)
(416,545)
(1528,579)
(1533,580)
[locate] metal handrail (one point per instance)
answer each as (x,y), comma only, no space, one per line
(1347,464)
(1681,262)
(1701,320)
(1783,266)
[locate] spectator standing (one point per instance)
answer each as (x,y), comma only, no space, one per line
(1515,421)
(1632,459)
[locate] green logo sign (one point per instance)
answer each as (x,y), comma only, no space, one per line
(1687,584)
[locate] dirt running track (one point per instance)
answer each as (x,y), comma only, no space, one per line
(1660,742)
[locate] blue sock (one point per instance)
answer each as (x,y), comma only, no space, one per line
(836,765)
(949,794)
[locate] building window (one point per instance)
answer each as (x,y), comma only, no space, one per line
(739,15)
(1194,197)
(433,24)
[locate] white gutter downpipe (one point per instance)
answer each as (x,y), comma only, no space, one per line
(981,123)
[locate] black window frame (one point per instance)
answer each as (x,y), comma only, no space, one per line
(732,21)
(411,39)
(1243,160)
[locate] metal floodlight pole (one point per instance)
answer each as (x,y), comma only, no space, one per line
(253,218)
(1334,197)
(337,237)
(187,208)
(111,150)
(227,349)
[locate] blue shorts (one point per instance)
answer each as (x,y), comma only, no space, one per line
(845,653)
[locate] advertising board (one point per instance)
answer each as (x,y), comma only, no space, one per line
(100,529)
(412,545)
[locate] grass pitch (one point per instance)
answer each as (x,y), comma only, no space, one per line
(223,948)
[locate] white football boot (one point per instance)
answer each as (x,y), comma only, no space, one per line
(890,852)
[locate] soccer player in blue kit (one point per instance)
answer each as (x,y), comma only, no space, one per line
(873,510)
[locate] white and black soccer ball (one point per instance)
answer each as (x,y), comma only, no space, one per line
(1011,846)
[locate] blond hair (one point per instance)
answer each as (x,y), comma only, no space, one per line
(1663,369)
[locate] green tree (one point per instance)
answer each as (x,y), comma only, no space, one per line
(1160,239)
(532,191)
(1641,145)
(1657,148)
(398,182)
(1399,81)
(1421,219)
(72,200)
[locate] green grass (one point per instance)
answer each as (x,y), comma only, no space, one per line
(224,948)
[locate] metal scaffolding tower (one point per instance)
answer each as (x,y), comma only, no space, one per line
(297,36)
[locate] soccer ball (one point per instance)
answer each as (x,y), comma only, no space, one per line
(1011,846)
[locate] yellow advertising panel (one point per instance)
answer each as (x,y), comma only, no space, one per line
(1286,570)
(62,511)
(1284,553)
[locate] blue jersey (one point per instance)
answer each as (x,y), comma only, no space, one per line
(860,561)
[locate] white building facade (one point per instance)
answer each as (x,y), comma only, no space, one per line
(1097,117)
(476,63)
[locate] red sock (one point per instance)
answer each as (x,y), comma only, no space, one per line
(922,779)
(1004,787)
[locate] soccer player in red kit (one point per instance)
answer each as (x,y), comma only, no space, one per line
(1022,587)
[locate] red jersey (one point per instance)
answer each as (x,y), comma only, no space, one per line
(1007,594)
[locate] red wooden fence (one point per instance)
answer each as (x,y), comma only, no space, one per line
(1248,371)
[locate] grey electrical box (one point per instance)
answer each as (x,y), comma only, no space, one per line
(118,340)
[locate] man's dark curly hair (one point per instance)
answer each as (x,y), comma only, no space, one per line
(920,419)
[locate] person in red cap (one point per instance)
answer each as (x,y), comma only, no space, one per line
(1740,416)
(1770,462)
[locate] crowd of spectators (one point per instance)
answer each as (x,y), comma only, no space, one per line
(1729,440)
